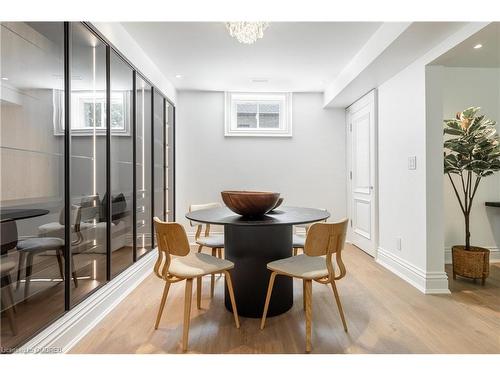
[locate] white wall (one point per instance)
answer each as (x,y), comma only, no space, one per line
(411,201)
(462,88)
(127,45)
(307,169)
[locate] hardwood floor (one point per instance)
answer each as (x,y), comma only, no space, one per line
(384,315)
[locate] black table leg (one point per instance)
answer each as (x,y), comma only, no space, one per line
(250,248)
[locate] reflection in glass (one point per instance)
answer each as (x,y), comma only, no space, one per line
(169,170)
(159,148)
(32,179)
(143,166)
(121,165)
(88,162)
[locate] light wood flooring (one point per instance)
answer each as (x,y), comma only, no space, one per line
(383,312)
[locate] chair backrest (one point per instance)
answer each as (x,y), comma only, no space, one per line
(325,238)
(204,206)
(172,240)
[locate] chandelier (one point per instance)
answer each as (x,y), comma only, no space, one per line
(246,32)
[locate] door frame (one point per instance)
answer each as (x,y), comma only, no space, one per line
(358,104)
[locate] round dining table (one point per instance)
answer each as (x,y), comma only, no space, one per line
(251,243)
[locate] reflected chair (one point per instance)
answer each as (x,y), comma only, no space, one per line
(30,247)
(322,242)
(215,242)
(173,241)
(8,242)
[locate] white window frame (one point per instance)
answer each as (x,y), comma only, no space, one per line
(285,116)
(78,99)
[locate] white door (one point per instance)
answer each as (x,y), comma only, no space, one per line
(361,126)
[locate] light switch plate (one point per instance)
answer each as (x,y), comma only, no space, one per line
(412,162)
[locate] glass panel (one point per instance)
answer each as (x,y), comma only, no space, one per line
(143,166)
(246,115)
(159,148)
(169,177)
(269,115)
(121,165)
(32,178)
(88,162)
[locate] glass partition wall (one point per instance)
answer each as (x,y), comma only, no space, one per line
(76,117)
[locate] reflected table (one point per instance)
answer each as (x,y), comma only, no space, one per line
(12,214)
(251,243)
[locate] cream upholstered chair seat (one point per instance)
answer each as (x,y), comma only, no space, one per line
(302,266)
(298,241)
(198,264)
(216,241)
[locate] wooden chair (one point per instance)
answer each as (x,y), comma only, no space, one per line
(173,241)
(298,240)
(322,241)
(215,242)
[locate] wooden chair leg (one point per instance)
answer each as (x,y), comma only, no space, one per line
(20,266)
(162,303)
(73,271)
(339,305)
(198,292)
(268,298)
(294,251)
(212,276)
(29,271)
(219,252)
(199,248)
(187,311)
(231,296)
(308,295)
(11,293)
(60,263)
(304,294)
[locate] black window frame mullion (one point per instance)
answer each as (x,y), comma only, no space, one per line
(164,187)
(67,166)
(152,166)
(108,163)
(134,162)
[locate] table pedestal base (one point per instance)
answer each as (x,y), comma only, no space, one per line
(250,248)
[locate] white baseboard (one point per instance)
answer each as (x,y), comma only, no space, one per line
(494,254)
(64,333)
(426,282)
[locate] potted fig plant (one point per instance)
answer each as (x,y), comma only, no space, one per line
(472,152)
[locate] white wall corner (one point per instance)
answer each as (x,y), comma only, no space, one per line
(65,332)
(385,35)
(426,282)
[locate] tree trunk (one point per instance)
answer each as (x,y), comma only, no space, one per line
(467,232)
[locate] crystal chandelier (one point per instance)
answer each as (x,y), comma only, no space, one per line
(246,32)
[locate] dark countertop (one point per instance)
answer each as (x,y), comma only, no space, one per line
(492,204)
(280,216)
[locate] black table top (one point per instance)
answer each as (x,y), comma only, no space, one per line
(279,216)
(10,214)
(493,204)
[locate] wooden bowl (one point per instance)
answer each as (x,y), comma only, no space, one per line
(250,203)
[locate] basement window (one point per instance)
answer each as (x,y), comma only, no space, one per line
(258,114)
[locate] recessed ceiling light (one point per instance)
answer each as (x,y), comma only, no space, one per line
(259,80)
(477,46)
(179,76)
(5,79)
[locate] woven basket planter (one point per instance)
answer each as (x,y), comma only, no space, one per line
(473,263)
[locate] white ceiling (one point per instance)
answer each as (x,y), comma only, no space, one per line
(292,56)
(466,56)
